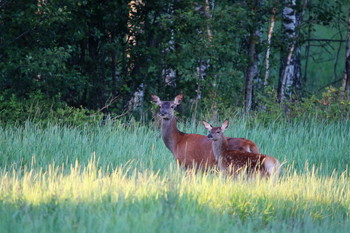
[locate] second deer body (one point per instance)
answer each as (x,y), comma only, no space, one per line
(232,161)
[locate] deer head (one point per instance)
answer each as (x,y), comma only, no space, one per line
(166,110)
(215,133)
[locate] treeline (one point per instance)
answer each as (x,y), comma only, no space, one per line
(81,58)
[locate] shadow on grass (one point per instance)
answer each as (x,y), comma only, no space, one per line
(171,213)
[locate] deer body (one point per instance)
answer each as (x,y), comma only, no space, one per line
(232,161)
(188,149)
(191,149)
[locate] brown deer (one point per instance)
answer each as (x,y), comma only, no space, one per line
(232,161)
(192,149)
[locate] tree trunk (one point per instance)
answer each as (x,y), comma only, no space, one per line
(251,74)
(267,57)
(290,72)
(346,77)
(168,72)
(204,64)
(253,80)
(114,68)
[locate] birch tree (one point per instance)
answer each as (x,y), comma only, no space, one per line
(268,49)
(290,72)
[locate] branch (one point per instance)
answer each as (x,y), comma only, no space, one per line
(108,103)
(326,40)
(24,33)
(126,112)
(329,84)
(10,42)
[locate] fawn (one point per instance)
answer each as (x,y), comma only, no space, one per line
(232,161)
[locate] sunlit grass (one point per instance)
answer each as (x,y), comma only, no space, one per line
(293,198)
(121,178)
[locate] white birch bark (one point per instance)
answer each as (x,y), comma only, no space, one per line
(267,56)
(290,64)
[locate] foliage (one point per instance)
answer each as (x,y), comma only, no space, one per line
(87,52)
(332,105)
(41,109)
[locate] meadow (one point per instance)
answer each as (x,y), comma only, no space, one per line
(119,177)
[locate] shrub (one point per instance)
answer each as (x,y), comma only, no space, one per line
(332,105)
(41,109)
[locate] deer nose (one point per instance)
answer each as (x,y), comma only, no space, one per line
(210,136)
(162,113)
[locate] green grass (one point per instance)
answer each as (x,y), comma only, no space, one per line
(121,178)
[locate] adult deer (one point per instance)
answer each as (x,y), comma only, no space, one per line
(232,161)
(192,149)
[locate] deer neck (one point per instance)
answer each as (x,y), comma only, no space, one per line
(220,147)
(170,134)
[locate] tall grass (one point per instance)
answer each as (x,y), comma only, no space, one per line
(113,144)
(121,178)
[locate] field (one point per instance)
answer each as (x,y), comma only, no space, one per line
(121,178)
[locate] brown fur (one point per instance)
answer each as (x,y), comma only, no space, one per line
(233,161)
(192,149)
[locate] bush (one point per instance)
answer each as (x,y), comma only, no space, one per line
(41,109)
(332,105)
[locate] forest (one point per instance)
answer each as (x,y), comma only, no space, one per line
(76,59)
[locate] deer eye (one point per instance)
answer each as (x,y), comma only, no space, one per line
(172,106)
(218,131)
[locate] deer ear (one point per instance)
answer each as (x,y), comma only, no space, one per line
(224,125)
(207,125)
(156,99)
(178,99)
